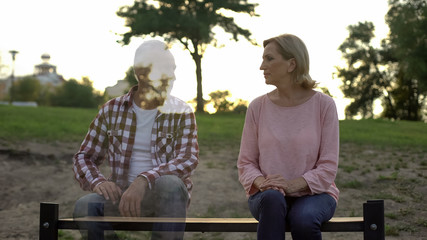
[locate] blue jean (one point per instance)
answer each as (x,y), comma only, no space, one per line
(304,214)
(168,198)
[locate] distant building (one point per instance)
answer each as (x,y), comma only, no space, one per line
(44,72)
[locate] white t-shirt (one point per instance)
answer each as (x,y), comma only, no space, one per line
(141,159)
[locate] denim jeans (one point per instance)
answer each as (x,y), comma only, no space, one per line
(304,214)
(168,198)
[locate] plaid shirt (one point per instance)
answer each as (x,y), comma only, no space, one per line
(174,147)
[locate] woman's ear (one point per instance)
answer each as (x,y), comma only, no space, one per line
(292,65)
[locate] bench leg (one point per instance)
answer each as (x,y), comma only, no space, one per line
(373,214)
(48,228)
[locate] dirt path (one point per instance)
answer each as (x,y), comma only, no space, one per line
(31,173)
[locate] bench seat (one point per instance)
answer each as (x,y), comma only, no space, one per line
(371,224)
(337,224)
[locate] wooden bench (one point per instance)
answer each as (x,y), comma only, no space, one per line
(371,224)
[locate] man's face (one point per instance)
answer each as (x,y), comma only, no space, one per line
(154,83)
(154,68)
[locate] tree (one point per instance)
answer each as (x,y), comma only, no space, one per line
(220,102)
(45,94)
(26,89)
(241,106)
(325,90)
(189,22)
(130,77)
(363,81)
(396,72)
(75,94)
(407,20)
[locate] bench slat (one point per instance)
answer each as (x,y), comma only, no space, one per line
(337,224)
(371,224)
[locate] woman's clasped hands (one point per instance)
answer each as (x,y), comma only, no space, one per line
(275,182)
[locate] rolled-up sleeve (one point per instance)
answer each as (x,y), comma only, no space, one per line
(91,154)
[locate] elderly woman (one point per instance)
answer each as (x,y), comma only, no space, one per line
(289,150)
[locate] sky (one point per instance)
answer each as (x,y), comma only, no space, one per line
(81,38)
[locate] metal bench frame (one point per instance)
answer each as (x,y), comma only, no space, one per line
(371,224)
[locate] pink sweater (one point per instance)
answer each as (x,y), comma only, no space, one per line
(300,141)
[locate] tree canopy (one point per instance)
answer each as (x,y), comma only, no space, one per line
(190,22)
(363,81)
(220,102)
(130,77)
(75,94)
(26,89)
(395,73)
(407,20)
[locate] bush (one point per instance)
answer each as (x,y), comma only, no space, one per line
(75,94)
(26,89)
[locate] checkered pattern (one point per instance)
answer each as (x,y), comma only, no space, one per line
(111,135)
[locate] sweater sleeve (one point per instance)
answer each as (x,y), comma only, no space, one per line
(322,176)
(248,161)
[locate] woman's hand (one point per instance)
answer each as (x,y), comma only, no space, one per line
(275,182)
(285,186)
(109,190)
(258,182)
(262,184)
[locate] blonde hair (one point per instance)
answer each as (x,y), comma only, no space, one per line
(291,46)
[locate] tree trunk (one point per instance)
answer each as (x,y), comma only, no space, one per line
(391,107)
(198,60)
(413,102)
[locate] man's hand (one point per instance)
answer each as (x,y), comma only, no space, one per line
(130,204)
(109,190)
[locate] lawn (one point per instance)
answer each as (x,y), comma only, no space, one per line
(70,124)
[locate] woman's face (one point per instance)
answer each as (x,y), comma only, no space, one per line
(276,68)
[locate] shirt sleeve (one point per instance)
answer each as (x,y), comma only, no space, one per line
(91,154)
(186,153)
(322,176)
(248,161)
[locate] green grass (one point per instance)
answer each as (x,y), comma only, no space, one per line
(392,176)
(44,123)
(71,124)
(380,132)
(352,184)
(220,129)
(63,235)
